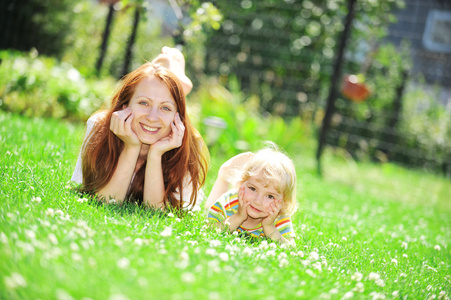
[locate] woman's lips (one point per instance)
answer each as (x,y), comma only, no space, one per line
(149,129)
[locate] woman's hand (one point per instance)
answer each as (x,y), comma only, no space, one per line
(172,141)
(273,211)
(121,126)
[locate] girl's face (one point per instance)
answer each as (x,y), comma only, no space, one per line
(260,193)
(153,109)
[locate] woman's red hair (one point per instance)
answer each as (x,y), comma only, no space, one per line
(102,148)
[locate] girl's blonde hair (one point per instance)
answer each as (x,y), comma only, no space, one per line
(278,169)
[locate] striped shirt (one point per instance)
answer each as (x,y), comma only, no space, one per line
(227,205)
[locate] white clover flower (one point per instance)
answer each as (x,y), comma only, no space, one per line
(188,277)
(50,212)
(193,243)
(52,238)
(310,272)
(305,262)
(283,263)
(377,296)
(348,295)
(320,233)
(211,251)
(259,270)
(333,291)
(374,276)
(235,233)
(395,294)
(300,254)
(59,213)
(313,256)
(215,243)
(344,238)
(380,282)
(123,263)
(317,266)
(167,231)
(271,253)
(272,245)
(76,257)
(82,200)
(237,240)
(403,275)
(223,256)
(437,247)
(184,256)
(171,215)
(283,255)
(404,255)
(442,295)
(359,287)
(112,297)
(15,280)
(372,261)
(394,261)
(36,199)
(357,276)
(112,201)
(404,245)
(247,251)
(138,241)
(30,234)
(264,245)
(74,247)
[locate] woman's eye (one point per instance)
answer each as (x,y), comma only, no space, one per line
(143,103)
(167,108)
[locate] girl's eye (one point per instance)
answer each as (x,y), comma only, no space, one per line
(271,197)
(252,188)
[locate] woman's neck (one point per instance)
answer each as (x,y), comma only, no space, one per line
(142,156)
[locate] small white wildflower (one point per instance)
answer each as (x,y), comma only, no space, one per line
(247,251)
(300,254)
(442,295)
(310,272)
(359,287)
(237,240)
(184,256)
(272,246)
(313,256)
(215,243)
(264,245)
(52,238)
(235,233)
(112,201)
(437,247)
(317,266)
(15,280)
(404,245)
(36,199)
(259,270)
(380,282)
(223,256)
(59,213)
(305,262)
(348,295)
(394,261)
(344,239)
(50,212)
(333,291)
(211,251)
(188,277)
(403,275)
(138,241)
(118,297)
(271,253)
(283,263)
(374,276)
(82,200)
(74,247)
(372,261)
(178,220)
(320,233)
(30,234)
(77,257)
(357,276)
(123,263)
(395,294)
(171,215)
(404,255)
(167,231)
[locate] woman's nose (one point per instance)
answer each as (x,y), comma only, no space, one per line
(153,114)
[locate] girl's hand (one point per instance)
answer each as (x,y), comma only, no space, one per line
(121,126)
(242,205)
(273,211)
(173,140)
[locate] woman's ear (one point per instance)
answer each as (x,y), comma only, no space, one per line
(124,106)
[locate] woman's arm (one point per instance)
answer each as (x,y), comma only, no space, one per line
(154,183)
(119,183)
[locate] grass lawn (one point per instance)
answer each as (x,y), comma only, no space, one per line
(364,232)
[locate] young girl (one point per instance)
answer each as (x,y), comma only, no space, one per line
(144,148)
(264,197)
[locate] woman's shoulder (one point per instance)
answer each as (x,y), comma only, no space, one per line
(97,116)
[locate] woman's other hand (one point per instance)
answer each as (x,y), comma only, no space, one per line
(172,141)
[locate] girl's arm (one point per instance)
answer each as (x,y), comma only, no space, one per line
(119,183)
(154,183)
(272,233)
(225,174)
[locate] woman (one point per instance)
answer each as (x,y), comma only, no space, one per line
(144,148)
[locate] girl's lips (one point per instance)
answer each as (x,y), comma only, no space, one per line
(257,210)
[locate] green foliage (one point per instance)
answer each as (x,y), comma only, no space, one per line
(41,87)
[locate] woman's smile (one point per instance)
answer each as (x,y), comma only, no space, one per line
(150,129)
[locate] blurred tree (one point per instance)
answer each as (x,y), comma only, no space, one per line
(40,24)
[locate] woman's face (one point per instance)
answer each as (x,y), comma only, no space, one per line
(153,110)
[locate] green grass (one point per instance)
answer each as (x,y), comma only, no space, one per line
(357,221)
